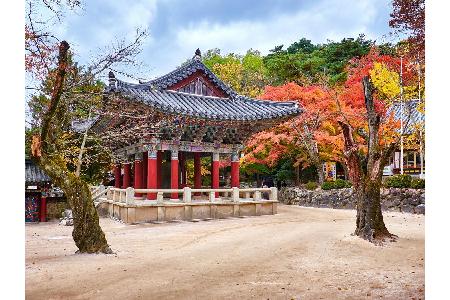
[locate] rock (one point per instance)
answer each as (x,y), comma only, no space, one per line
(422,198)
(407,208)
(67,218)
(414,201)
(384,192)
(67,214)
(420,209)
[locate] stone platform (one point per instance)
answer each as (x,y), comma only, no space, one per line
(143,211)
(131,205)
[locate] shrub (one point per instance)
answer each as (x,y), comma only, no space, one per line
(417,183)
(328,185)
(311,185)
(341,183)
(338,184)
(399,181)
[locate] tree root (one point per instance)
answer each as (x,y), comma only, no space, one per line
(379,238)
(104,250)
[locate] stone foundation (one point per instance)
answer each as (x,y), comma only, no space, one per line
(144,213)
(392,199)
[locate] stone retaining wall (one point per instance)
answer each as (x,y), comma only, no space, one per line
(392,199)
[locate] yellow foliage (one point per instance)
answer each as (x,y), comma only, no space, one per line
(385,81)
(329,127)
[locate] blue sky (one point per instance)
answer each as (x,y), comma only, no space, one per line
(177,28)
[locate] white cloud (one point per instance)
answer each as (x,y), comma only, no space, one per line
(330,19)
(102,22)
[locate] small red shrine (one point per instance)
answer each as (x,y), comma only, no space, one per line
(186,114)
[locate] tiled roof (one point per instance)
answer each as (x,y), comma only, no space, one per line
(409,109)
(192,66)
(80,126)
(238,108)
(33,174)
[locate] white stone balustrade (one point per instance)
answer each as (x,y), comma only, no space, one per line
(127,196)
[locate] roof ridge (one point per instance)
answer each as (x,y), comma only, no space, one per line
(202,96)
(187,69)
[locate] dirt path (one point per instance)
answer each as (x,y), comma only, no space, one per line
(300,253)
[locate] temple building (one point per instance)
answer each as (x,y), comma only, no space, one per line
(154,127)
(43,200)
(413,155)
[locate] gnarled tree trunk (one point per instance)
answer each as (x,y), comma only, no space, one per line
(365,173)
(87,233)
(319,167)
(369,218)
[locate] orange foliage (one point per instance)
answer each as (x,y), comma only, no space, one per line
(319,108)
(351,98)
(323,107)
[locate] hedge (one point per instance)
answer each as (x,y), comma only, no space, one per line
(404,181)
(338,184)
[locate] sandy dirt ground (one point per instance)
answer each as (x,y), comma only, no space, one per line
(300,253)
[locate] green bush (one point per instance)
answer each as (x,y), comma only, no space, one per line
(338,184)
(327,185)
(399,181)
(311,185)
(341,183)
(417,183)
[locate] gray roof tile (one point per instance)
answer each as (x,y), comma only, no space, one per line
(209,107)
(34,174)
(409,108)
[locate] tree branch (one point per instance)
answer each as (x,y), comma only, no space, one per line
(56,93)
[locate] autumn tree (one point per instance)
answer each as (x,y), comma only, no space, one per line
(246,74)
(64,94)
(82,95)
(408,16)
(371,133)
(314,130)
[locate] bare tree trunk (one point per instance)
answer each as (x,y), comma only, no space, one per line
(313,152)
(320,176)
(365,173)
(87,233)
(83,143)
(344,166)
(310,143)
(369,218)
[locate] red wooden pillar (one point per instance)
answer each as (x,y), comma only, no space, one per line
(197,172)
(215,172)
(126,175)
(159,158)
(138,172)
(117,175)
(43,209)
(152,173)
(144,168)
(234,169)
(174,173)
